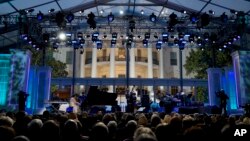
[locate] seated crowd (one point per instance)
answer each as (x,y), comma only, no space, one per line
(117,126)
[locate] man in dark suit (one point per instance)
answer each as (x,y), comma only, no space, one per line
(223,101)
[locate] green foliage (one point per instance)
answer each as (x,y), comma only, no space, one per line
(202,94)
(58,67)
(200,60)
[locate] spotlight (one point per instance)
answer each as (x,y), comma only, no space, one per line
(51,10)
(46,37)
(170,29)
(95,36)
(114,36)
(206,36)
(39,16)
(173,19)
(70,17)
(147,36)
(81,42)
(30,10)
(181,36)
(81,11)
(79,35)
(165,37)
(152,17)
(111,17)
(204,19)
(191,38)
(131,25)
(199,42)
(158,45)
(193,18)
(99,45)
(91,20)
(142,12)
(62,36)
(233,12)
(145,42)
(121,12)
(183,11)
(59,19)
(104,36)
(181,44)
(176,41)
(211,12)
(24,37)
(113,42)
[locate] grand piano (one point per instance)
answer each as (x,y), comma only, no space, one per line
(98,97)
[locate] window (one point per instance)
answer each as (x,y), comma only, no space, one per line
(121,75)
(69,57)
(139,53)
(173,59)
(88,57)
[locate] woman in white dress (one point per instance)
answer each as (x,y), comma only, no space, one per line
(74,103)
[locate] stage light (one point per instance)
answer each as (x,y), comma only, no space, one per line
(91,20)
(152,17)
(99,44)
(191,38)
(81,11)
(170,29)
(181,36)
(233,12)
(147,36)
(113,42)
(205,20)
(176,41)
(131,25)
(165,37)
(181,44)
(102,11)
(173,19)
(51,10)
(224,18)
(39,16)
(30,10)
(59,19)
(211,12)
(82,42)
(121,12)
(193,18)
(145,42)
(46,37)
(199,42)
(158,45)
(114,36)
(183,11)
(142,12)
(70,17)
(95,36)
(79,35)
(111,17)
(62,36)
(206,36)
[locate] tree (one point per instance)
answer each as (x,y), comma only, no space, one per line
(200,60)
(58,67)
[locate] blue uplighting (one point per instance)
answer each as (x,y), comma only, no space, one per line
(5,65)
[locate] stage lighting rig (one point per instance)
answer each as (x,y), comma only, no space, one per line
(145,42)
(193,18)
(158,45)
(70,17)
(91,20)
(111,17)
(152,17)
(147,36)
(165,37)
(39,16)
(95,37)
(173,19)
(99,44)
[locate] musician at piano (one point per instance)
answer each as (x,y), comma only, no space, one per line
(74,103)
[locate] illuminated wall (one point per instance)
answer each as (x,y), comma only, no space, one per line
(5,67)
(39,89)
(228,84)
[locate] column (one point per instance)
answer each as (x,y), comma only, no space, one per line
(112,67)
(150,70)
(214,84)
(161,71)
(94,62)
(132,62)
(82,67)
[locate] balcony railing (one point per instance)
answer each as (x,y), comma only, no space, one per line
(106,58)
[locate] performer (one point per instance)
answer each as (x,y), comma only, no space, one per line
(223,101)
(74,103)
